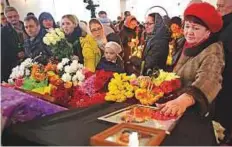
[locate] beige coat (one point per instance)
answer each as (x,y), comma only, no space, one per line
(202,73)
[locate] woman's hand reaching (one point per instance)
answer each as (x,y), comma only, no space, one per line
(177,106)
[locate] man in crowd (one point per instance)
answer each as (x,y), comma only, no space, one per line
(3,20)
(34,46)
(126,14)
(13,35)
(106,22)
(224,101)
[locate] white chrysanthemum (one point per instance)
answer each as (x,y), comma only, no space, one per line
(66,77)
(21,67)
(60,66)
(65,61)
(11,81)
(75,78)
(20,73)
(27,72)
(80,66)
(80,76)
(67,69)
(74,67)
(13,75)
(27,63)
(75,62)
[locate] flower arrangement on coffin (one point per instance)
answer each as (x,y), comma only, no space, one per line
(70,74)
(145,90)
(177,32)
(167,81)
(91,90)
(37,78)
(19,72)
(60,47)
(150,89)
(119,88)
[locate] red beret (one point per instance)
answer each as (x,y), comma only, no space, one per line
(207,13)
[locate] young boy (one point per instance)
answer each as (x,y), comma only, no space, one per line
(111,61)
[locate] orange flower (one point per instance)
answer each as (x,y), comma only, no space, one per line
(50,67)
(68,85)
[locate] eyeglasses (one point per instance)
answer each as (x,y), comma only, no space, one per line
(97,29)
(148,24)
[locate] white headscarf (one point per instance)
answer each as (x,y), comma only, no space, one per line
(114,46)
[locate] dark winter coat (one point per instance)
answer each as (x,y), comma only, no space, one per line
(110,66)
(12,44)
(74,39)
(126,35)
(156,48)
(223,104)
(37,50)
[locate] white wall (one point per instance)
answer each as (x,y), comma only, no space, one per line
(138,7)
(58,8)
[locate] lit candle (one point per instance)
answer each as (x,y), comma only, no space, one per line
(133,140)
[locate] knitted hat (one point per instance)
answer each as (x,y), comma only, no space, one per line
(207,13)
(115,46)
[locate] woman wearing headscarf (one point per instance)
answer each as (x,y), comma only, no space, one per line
(73,32)
(98,31)
(156,46)
(201,61)
(127,34)
(90,49)
(47,22)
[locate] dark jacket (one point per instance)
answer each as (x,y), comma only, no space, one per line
(12,44)
(110,66)
(223,102)
(74,39)
(126,34)
(156,48)
(37,50)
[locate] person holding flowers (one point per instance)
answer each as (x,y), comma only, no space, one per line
(70,26)
(111,60)
(201,62)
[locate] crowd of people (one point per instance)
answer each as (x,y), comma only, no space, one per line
(201,57)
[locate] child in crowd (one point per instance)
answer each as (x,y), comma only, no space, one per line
(111,61)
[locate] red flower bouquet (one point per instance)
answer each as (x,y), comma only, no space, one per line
(89,92)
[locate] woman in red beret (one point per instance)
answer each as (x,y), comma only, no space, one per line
(200,63)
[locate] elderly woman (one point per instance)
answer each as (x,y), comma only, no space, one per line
(156,46)
(201,62)
(70,25)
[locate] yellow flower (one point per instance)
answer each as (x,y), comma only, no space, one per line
(129,94)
